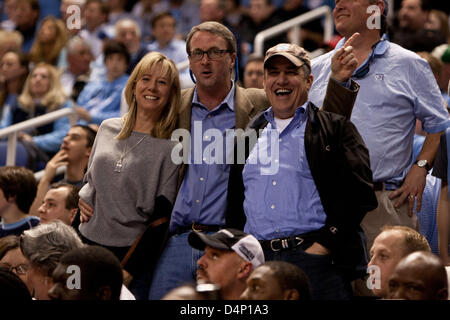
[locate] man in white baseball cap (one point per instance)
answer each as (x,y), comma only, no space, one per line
(230,256)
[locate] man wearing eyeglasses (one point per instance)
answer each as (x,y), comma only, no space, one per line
(397,86)
(215,103)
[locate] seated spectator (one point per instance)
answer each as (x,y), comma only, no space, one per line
(17,191)
(43,247)
(51,37)
(13,73)
(26,18)
(194,291)
(76,74)
(230,257)
(254,72)
(12,288)
(95,15)
(411,32)
(163,30)
(41,94)
(144,12)
(438,20)
(100,275)
(277,280)
(128,32)
(389,247)
(74,155)
(12,258)
(100,100)
(419,276)
(60,203)
(8,8)
(10,41)
(442,52)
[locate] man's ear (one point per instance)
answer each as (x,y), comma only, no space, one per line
(291,294)
(88,151)
(104,293)
(245,269)
(73,212)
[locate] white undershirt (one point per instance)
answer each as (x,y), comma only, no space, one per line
(282,123)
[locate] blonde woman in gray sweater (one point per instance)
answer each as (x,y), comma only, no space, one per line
(131,180)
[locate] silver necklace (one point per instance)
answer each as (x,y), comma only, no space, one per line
(119,163)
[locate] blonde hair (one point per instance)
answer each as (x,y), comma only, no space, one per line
(42,52)
(167,122)
(52,100)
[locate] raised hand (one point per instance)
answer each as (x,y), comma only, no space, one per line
(344,62)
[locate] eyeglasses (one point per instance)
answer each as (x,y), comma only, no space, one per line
(21,269)
(213,54)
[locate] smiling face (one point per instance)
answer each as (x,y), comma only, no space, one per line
(152,91)
(211,74)
(351,16)
(40,82)
(285,86)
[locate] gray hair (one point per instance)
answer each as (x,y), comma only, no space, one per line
(74,42)
(122,21)
(45,244)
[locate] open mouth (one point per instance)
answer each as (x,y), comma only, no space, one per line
(151,98)
(282,92)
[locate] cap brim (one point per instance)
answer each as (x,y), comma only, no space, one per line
(199,240)
(297,62)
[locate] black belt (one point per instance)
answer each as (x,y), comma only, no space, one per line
(197,227)
(303,241)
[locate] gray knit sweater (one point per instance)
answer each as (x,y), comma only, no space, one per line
(123,202)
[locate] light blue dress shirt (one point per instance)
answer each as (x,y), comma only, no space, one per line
(203,193)
(398,88)
(102,99)
(286,203)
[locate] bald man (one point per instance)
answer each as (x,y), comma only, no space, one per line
(419,276)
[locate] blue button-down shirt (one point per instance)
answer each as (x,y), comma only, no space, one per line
(203,193)
(283,202)
(398,88)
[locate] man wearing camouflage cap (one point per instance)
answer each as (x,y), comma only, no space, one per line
(301,212)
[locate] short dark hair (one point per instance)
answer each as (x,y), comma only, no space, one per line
(90,134)
(115,47)
(161,15)
(290,276)
(104,7)
(99,267)
(20,183)
(72,196)
(254,58)
(215,28)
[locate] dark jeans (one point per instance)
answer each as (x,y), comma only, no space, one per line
(327,283)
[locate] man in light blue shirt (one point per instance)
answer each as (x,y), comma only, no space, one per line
(397,86)
(163,30)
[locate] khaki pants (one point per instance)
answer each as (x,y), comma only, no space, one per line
(385,214)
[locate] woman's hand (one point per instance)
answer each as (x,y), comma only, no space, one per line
(86,211)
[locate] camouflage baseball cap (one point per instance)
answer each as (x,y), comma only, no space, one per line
(294,53)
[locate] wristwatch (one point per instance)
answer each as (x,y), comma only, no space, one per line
(423,164)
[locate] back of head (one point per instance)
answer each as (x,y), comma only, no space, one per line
(12,287)
(100,270)
(18,183)
(45,244)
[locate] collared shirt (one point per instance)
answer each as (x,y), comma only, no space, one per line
(203,193)
(175,50)
(102,99)
(398,88)
(281,201)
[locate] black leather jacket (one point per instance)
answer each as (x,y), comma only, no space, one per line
(340,166)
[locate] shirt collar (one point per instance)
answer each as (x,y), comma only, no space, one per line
(299,114)
(228,101)
(380,48)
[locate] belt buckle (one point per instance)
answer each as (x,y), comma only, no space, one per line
(271,244)
(193,227)
(300,241)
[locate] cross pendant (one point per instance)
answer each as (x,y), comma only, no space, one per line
(118,167)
